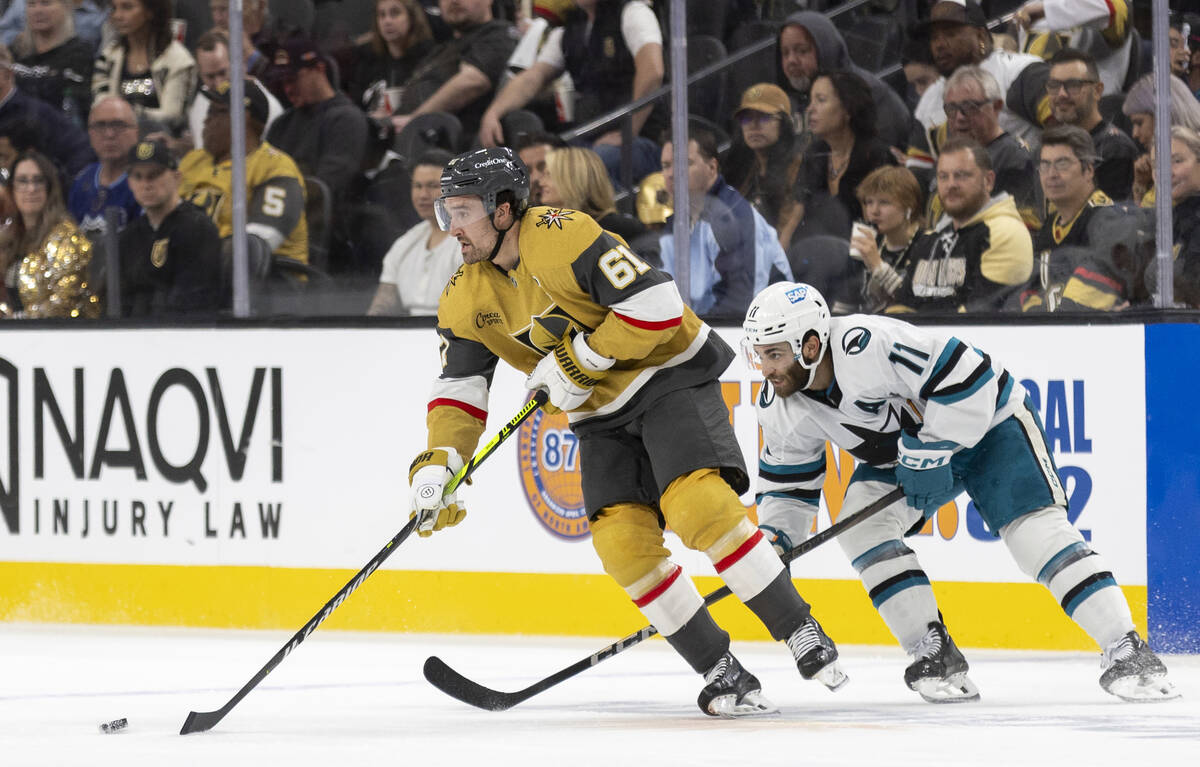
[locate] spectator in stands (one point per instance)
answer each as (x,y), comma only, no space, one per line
(764,161)
(112,128)
(322,131)
(958,36)
(417,266)
(31,123)
(461,74)
(52,64)
(212,65)
(576,178)
(973,104)
(1193,42)
(532,149)
(919,71)
(1139,108)
(1101,28)
(276,225)
(734,252)
(1075,89)
(613,52)
(1185,219)
(809,43)
(171,256)
(844,149)
(1181,57)
(400,38)
(88,17)
(254,31)
(145,65)
(981,255)
(1067,169)
(49,253)
(891,202)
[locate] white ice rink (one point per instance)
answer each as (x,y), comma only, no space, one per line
(354,699)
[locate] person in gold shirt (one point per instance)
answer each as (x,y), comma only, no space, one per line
(275,222)
(43,254)
(609,338)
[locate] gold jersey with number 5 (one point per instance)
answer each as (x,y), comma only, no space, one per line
(572,276)
(274,197)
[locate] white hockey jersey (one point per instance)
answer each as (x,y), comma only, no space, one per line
(889,377)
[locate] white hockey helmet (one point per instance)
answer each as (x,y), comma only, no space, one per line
(786,311)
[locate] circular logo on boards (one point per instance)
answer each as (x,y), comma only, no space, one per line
(548,453)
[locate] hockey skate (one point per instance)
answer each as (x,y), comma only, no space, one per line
(816,656)
(938,672)
(731,691)
(1134,673)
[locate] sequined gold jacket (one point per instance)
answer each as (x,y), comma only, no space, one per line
(53,278)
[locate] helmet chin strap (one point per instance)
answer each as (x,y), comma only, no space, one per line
(812,369)
(502,233)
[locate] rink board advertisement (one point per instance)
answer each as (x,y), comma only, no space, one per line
(240,477)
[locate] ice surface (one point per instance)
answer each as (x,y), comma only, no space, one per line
(345,699)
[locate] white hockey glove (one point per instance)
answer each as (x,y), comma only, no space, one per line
(568,373)
(427,478)
(785,522)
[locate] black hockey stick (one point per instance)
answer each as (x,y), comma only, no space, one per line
(458,686)
(201,721)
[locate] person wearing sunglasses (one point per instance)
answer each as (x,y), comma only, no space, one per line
(764,161)
(1075,89)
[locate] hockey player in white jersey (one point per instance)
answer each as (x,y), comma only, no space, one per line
(938,417)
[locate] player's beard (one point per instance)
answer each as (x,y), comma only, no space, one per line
(790,381)
(473,252)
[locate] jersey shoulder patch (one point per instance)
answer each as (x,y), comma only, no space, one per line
(855,340)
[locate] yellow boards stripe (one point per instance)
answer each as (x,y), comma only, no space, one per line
(1008,615)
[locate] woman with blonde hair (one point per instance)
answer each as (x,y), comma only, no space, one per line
(400,38)
(1139,107)
(52,63)
(1185,217)
(43,255)
(576,178)
(891,202)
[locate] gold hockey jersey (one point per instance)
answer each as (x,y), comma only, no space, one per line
(274,197)
(572,276)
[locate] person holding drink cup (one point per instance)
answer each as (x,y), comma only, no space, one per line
(891,204)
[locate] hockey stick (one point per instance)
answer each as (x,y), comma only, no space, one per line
(201,721)
(458,686)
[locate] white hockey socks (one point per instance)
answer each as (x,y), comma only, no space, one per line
(1049,549)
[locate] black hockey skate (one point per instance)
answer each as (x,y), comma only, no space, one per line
(938,672)
(1134,673)
(816,655)
(731,691)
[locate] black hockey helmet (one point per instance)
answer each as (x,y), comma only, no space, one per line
(484,173)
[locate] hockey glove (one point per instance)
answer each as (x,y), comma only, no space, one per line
(925,474)
(784,521)
(427,478)
(568,373)
(778,539)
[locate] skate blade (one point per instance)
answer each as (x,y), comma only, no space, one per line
(1149,689)
(956,688)
(832,677)
(752,704)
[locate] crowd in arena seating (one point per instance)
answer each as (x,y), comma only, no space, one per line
(916,156)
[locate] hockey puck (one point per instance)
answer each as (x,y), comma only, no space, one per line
(115,725)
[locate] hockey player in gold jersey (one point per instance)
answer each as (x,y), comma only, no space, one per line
(275,219)
(609,338)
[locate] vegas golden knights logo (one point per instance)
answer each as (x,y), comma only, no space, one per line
(158,253)
(546,329)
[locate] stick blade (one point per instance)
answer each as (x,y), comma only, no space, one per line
(200,721)
(459,687)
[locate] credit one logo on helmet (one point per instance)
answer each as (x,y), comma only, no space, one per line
(549,460)
(796,295)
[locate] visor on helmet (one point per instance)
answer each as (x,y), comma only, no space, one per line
(459,211)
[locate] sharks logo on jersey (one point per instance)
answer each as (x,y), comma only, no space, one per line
(855,340)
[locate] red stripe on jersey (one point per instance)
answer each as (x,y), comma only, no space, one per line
(650,324)
(741,551)
(1112,12)
(1100,278)
(470,410)
(658,590)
